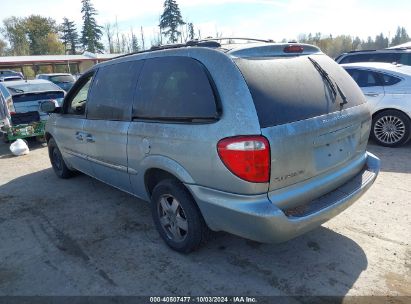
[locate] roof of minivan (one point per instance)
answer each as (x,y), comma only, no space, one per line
(381,66)
(253,49)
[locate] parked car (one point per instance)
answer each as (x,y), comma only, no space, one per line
(63,80)
(6,73)
(10,78)
(23,99)
(266,141)
(387,88)
(400,55)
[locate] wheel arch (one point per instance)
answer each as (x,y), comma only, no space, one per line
(389,109)
(158,168)
(48,136)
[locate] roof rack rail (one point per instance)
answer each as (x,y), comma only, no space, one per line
(237,38)
(207,42)
(199,43)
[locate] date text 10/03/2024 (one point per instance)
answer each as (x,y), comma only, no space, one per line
(203,300)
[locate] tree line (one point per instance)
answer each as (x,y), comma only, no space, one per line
(333,46)
(39,35)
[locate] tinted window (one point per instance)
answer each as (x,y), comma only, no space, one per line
(38,96)
(77,99)
(288,90)
(174,88)
(27,87)
(112,93)
(372,57)
(388,80)
(62,78)
(405,59)
(364,78)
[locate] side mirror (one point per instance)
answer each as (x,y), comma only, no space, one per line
(48,106)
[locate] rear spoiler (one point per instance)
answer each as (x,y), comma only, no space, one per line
(274,50)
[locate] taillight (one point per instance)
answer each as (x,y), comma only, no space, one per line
(294,48)
(248,157)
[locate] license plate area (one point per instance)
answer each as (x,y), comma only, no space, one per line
(336,147)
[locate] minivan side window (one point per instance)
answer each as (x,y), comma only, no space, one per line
(76,102)
(112,93)
(174,89)
(364,78)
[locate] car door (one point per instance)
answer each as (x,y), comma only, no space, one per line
(108,121)
(370,84)
(68,127)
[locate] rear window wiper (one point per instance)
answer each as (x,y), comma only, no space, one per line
(335,88)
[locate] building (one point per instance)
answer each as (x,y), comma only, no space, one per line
(33,65)
(406,45)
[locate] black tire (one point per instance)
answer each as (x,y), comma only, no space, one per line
(197,231)
(57,161)
(399,121)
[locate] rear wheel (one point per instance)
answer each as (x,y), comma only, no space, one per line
(57,161)
(177,217)
(391,128)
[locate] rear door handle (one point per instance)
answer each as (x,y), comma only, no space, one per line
(372,94)
(89,138)
(79,136)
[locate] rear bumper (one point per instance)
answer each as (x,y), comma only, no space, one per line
(256,218)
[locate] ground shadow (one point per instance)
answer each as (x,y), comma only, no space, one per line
(82,237)
(393,159)
(32,143)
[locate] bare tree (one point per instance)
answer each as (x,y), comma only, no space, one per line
(142,38)
(108,30)
(118,45)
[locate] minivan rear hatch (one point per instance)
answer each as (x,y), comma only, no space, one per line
(312,130)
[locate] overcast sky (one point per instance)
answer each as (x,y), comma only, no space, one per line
(274,19)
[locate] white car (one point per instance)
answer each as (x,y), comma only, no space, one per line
(387,88)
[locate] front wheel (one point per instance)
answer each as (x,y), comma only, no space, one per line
(177,217)
(57,161)
(391,128)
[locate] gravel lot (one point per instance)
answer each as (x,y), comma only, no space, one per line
(82,237)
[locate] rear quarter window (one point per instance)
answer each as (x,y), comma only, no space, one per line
(174,88)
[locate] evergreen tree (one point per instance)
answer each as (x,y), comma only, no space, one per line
(91,32)
(191,34)
(170,20)
(134,42)
(69,35)
(381,42)
(401,36)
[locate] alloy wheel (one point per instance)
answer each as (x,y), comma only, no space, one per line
(172,218)
(389,129)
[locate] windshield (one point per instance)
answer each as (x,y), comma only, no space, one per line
(62,79)
(32,87)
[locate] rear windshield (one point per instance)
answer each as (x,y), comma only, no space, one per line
(285,90)
(62,79)
(38,96)
(31,87)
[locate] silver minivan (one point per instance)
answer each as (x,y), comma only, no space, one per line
(262,140)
